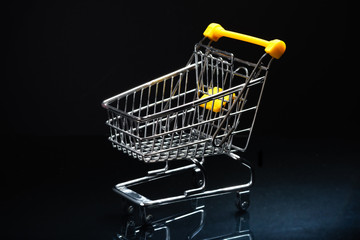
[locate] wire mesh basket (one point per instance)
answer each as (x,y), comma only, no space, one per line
(195,111)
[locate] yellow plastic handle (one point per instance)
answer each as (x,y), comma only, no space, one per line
(275,48)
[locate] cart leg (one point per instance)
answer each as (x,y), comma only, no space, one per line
(159,171)
(242,201)
(199,178)
(130,229)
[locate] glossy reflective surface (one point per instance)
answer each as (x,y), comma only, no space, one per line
(61,188)
(202,222)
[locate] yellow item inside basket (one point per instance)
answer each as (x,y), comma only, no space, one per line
(215,105)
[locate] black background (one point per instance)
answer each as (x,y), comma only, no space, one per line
(63,59)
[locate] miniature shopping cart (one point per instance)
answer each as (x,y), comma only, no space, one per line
(192,113)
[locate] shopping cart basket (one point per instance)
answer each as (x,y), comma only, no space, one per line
(192,113)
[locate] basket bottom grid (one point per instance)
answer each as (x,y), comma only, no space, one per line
(168,147)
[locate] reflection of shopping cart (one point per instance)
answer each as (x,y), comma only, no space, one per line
(191,113)
(207,220)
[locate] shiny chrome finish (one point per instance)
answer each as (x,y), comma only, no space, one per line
(124,188)
(165,119)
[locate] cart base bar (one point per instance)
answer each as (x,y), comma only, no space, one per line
(242,189)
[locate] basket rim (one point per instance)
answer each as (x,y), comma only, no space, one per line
(184,106)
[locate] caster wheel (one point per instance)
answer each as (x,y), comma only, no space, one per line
(148,219)
(198,179)
(243,206)
(126,208)
(242,201)
(130,210)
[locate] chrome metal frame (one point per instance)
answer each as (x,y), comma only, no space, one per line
(167,119)
(124,188)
